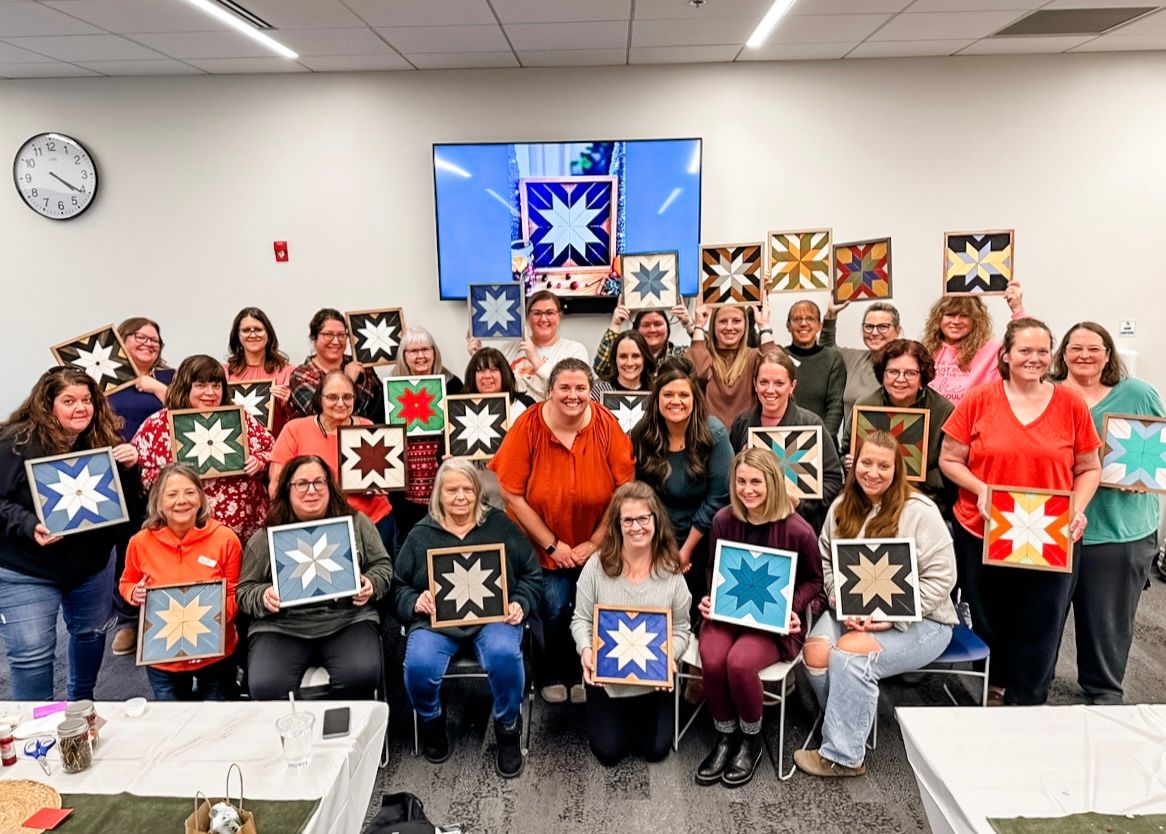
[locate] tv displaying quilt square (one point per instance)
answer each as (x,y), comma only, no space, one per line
(559,215)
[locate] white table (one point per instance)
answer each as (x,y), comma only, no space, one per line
(176,749)
(972,764)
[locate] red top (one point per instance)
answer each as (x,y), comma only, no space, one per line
(1003,452)
(303,436)
(202,555)
(568,488)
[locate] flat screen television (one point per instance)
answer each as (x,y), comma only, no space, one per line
(559,215)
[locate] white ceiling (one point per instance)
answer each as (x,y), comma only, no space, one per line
(54,38)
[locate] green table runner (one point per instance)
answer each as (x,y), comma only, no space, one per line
(122,812)
(1079,824)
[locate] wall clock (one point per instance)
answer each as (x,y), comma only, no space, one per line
(55,176)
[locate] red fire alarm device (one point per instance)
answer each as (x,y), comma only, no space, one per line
(281,251)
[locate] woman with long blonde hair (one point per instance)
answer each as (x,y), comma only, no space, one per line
(846,658)
(958,334)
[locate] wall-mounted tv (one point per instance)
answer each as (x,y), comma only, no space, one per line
(559,215)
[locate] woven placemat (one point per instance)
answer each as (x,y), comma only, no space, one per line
(19,800)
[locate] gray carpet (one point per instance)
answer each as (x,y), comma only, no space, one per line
(565,790)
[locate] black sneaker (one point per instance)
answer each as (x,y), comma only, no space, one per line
(435,740)
(509,762)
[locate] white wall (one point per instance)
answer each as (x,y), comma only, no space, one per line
(200,175)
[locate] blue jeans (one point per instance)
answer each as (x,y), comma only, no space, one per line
(28,623)
(215,682)
(559,662)
(848,690)
(499,650)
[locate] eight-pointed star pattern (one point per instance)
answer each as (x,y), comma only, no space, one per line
(876,577)
(753,586)
(417,403)
(496,311)
(731,274)
(626,406)
(477,424)
(254,397)
(799,260)
(100,354)
(650,280)
(1029,528)
(979,262)
(376,335)
(632,646)
(469,584)
(1134,453)
(212,441)
(183,623)
(77,492)
(313,561)
(371,458)
(569,221)
(862,270)
(799,450)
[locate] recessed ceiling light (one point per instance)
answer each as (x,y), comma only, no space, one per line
(247,29)
(775,13)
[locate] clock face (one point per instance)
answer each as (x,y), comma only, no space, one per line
(55,175)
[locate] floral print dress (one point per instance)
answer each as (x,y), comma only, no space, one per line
(238,501)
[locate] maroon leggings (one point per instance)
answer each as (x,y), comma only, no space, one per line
(730,658)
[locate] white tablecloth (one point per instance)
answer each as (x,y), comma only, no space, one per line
(972,764)
(176,749)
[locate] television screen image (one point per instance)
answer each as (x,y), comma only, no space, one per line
(559,215)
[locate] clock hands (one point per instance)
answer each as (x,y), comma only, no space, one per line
(70,185)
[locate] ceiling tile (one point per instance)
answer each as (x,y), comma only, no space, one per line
(847,6)
(355,63)
(713,30)
(1100,4)
(827,28)
(561,11)
(681,10)
(932,26)
(611,34)
(128,16)
(574,58)
(1148,25)
(205,45)
(140,68)
(463,60)
(1025,46)
(976,5)
(1108,43)
(31,19)
(773,51)
(56,69)
(303,14)
(414,39)
(332,41)
(14,55)
(237,66)
(708,54)
(907,49)
(85,48)
(422,12)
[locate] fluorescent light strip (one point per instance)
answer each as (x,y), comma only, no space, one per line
(247,29)
(775,13)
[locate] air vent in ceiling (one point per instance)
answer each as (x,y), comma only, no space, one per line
(1072,21)
(241,11)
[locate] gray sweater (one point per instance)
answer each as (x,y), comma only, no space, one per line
(860,377)
(921,521)
(665,590)
(821,383)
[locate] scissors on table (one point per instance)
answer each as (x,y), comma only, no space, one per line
(38,749)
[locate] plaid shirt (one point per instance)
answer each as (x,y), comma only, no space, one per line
(603,358)
(305,379)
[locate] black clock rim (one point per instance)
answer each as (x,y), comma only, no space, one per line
(81,145)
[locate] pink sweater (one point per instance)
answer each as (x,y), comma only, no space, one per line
(952,382)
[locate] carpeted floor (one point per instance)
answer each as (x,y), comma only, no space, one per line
(565,790)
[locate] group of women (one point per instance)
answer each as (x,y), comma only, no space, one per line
(590,515)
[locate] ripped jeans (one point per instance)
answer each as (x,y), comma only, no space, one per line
(848,690)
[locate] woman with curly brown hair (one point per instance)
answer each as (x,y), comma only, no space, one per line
(958,335)
(42,575)
(637,567)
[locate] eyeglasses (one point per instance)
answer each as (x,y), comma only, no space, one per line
(333,337)
(876,328)
(803,320)
(416,351)
(302,487)
(544,314)
(894,373)
(347,399)
(143,339)
(1090,350)
(637,521)
(253,331)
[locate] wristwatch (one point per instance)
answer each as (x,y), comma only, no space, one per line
(550,548)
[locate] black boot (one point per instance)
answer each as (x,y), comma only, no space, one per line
(435,740)
(739,771)
(509,762)
(710,770)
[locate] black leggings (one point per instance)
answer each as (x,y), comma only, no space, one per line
(277,662)
(640,724)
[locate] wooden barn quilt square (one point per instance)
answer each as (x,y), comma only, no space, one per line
(254,397)
(799,261)
(1134,452)
(799,451)
(1029,528)
(570,221)
(876,578)
(862,270)
(731,274)
(375,334)
(632,645)
(753,586)
(182,622)
(77,491)
(102,354)
(628,407)
(416,402)
(476,424)
(910,426)
(468,585)
(977,263)
(651,280)
(313,561)
(371,458)
(212,441)
(496,310)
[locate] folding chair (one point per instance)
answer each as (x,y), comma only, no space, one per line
(464,666)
